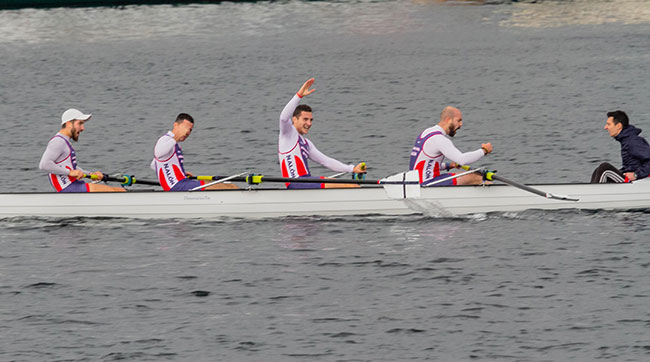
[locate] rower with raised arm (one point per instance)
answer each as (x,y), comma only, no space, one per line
(294,149)
(635,152)
(434,144)
(168,159)
(60,158)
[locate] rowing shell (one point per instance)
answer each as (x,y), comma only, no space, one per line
(372,200)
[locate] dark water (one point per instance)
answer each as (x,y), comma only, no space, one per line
(535,79)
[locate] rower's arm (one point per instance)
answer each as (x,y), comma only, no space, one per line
(164,148)
(332,164)
(286,126)
(644,170)
(56,149)
(641,151)
(447,148)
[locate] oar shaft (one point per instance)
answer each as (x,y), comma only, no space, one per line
(125,180)
(490,175)
(452,177)
(256,179)
(518,185)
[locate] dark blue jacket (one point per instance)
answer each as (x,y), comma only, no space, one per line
(635,152)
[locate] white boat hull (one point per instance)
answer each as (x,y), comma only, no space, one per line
(264,203)
(252,203)
(454,201)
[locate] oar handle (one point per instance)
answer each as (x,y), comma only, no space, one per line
(487,175)
(360,176)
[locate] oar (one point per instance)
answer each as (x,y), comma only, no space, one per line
(454,176)
(490,176)
(398,186)
(125,180)
(219,181)
(254,179)
(337,174)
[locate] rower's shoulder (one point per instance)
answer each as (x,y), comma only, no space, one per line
(432,131)
(56,139)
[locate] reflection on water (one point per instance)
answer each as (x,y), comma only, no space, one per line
(213,20)
(217,21)
(578,12)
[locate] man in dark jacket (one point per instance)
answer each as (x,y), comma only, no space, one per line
(635,152)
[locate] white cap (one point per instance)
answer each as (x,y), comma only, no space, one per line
(72,114)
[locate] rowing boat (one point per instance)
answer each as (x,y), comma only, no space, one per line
(368,200)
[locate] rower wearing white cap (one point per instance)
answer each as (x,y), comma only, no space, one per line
(60,158)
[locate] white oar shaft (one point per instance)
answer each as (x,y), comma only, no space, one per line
(452,177)
(337,175)
(220,181)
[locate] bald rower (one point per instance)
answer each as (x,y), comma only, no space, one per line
(434,145)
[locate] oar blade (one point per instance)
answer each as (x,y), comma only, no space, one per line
(561,197)
(402,185)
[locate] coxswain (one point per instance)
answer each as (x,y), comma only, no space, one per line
(60,158)
(168,159)
(294,149)
(434,145)
(635,152)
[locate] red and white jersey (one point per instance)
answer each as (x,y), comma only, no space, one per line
(431,147)
(294,162)
(294,150)
(168,161)
(58,159)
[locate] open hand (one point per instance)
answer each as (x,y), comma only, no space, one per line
(304,90)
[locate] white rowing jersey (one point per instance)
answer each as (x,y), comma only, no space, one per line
(294,150)
(431,147)
(168,161)
(58,159)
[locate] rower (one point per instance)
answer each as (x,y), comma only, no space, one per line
(635,152)
(434,144)
(294,149)
(168,159)
(60,158)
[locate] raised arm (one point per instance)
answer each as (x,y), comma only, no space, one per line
(287,113)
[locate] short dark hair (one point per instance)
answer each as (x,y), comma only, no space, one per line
(619,117)
(301,108)
(184,116)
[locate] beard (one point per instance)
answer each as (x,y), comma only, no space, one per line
(75,135)
(452,133)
